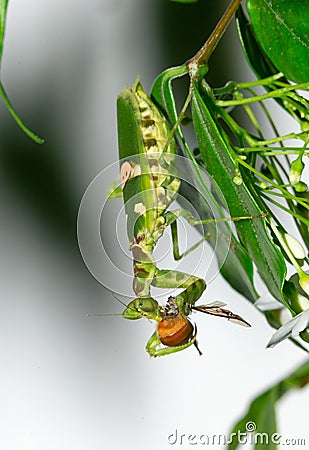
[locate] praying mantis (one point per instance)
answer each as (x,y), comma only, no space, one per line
(149,135)
(149,185)
(151,179)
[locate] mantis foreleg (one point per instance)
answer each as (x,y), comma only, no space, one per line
(153,346)
(192,285)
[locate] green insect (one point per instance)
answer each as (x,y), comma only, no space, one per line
(149,184)
(174,330)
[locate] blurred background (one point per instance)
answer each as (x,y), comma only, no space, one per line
(69,380)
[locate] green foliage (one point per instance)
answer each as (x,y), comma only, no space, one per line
(249,170)
(262,411)
(255,55)
(236,171)
(234,260)
(281,27)
(221,162)
(252,172)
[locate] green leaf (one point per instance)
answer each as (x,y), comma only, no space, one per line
(221,163)
(263,67)
(261,415)
(281,27)
(233,259)
(34,137)
(255,55)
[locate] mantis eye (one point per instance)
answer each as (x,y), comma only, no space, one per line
(125,173)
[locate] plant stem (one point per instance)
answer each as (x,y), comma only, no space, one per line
(273,151)
(262,82)
(273,94)
(202,56)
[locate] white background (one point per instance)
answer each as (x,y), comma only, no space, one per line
(68,381)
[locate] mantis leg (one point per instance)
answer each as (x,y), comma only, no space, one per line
(154,342)
(176,253)
(194,221)
(171,219)
(193,287)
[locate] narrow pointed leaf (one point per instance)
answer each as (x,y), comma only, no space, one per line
(234,261)
(220,162)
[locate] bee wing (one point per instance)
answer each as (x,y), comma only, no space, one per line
(220,312)
(216,304)
(239,321)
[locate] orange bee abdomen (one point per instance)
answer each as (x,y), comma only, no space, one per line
(175,330)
